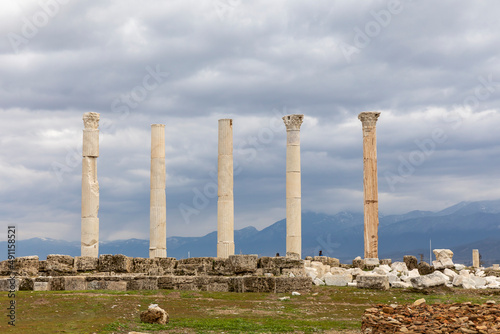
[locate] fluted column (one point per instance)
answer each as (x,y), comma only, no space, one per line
(293,186)
(225,203)
(90,186)
(370,183)
(157,202)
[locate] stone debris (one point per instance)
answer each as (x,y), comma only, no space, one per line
(402,275)
(432,319)
(154,315)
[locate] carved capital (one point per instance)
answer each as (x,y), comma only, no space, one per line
(369,118)
(293,122)
(91,120)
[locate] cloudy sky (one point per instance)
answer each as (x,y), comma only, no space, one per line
(431,68)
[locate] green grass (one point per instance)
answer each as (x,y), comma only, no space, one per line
(322,309)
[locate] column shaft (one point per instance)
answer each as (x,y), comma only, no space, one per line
(475,258)
(225,203)
(293,186)
(157,202)
(90,186)
(370,183)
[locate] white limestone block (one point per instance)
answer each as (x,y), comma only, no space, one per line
(450,273)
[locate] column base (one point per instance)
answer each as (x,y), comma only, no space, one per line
(157,252)
(225,248)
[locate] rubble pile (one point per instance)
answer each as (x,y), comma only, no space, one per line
(432,319)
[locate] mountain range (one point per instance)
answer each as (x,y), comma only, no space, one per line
(461,228)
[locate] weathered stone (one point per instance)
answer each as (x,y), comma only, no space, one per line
(189,269)
(243,264)
(330,261)
(41,286)
(86,263)
(400,267)
(9,284)
(318,281)
(386,261)
(23,266)
(443,259)
(410,261)
(427,281)
(116,263)
(289,284)
(107,285)
(75,283)
(56,283)
(275,265)
(378,282)
(221,266)
(450,273)
(147,266)
(400,285)
(167,264)
(358,262)
(154,315)
(26,284)
(140,283)
(57,265)
(424,268)
(337,280)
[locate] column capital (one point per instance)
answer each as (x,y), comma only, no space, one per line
(293,122)
(91,120)
(369,118)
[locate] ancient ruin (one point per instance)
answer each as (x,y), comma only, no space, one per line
(158,205)
(370,186)
(475,258)
(90,186)
(225,203)
(293,186)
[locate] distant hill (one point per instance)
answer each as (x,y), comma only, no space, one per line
(461,228)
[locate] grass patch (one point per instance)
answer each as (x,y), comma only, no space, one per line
(324,308)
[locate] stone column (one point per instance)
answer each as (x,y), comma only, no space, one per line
(293,186)
(475,258)
(369,120)
(225,203)
(157,202)
(90,186)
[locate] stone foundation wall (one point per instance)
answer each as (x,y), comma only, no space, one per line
(193,283)
(238,273)
(235,265)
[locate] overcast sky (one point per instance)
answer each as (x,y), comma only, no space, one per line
(431,69)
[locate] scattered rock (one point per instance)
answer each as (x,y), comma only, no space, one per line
(419,302)
(427,281)
(295,293)
(154,315)
(436,318)
(410,261)
(377,282)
